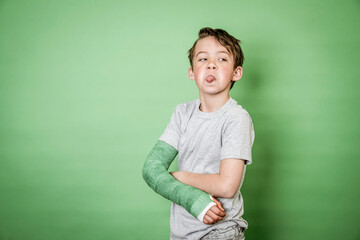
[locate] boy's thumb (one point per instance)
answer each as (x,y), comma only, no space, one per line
(218,204)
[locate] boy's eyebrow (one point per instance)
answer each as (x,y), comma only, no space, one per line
(216,52)
(223,52)
(200,52)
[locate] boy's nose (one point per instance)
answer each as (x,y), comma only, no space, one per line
(211,65)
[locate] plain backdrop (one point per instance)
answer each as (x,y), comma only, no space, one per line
(87,88)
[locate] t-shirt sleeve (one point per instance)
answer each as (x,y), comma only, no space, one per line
(171,134)
(238,138)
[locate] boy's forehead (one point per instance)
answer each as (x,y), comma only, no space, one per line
(209,43)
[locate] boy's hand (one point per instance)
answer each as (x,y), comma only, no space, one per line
(215,213)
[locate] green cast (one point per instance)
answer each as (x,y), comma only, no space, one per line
(156,175)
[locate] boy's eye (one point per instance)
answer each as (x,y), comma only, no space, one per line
(223,59)
(202,59)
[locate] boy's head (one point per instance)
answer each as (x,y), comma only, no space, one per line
(226,40)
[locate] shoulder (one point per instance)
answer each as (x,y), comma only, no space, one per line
(237,119)
(238,113)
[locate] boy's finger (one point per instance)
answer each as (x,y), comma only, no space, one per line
(208,219)
(217,211)
(213,215)
(218,203)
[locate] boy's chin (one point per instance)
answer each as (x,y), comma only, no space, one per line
(212,92)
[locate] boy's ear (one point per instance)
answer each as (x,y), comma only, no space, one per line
(237,73)
(191,73)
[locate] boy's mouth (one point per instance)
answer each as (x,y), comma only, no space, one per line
(210,78)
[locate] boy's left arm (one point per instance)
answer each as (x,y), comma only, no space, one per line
(224,184)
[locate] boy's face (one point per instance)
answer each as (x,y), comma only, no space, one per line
(213,67)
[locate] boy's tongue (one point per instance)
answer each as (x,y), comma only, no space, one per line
(210,78)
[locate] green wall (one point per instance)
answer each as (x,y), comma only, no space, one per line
(87,87)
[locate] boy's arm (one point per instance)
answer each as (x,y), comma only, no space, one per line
(155,173)
(224,185)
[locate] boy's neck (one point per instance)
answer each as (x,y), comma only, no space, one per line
(212,103)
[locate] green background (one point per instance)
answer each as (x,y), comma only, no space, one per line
(87,87)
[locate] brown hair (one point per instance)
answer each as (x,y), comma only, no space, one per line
(229,42)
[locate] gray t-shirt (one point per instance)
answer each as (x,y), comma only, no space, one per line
(203,140)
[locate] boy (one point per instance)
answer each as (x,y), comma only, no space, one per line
(213,137)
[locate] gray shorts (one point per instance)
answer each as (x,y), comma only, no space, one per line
(231,233)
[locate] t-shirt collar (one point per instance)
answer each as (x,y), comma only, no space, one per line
(217,112)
